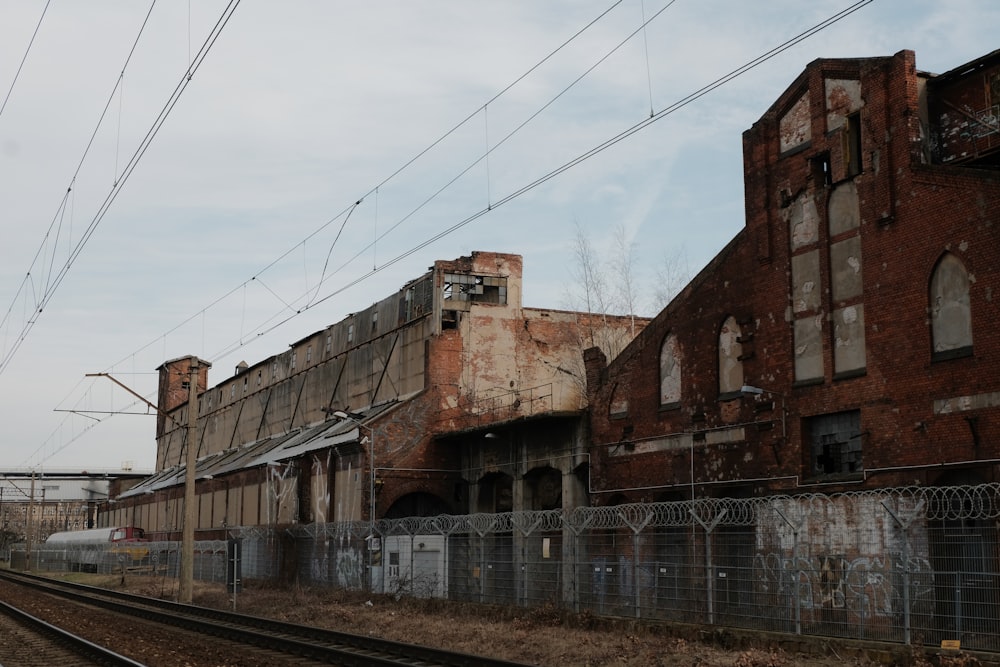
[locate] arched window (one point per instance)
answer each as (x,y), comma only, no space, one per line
(670,372)
(951,314)
(730,351)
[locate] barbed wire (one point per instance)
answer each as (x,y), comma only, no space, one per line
(951,503)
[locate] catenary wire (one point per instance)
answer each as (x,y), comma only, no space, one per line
(17,74)
(126,173)
(62,204)
(349,208)
(548,176)
(666,111)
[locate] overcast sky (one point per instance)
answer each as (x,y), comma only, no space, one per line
(226,225)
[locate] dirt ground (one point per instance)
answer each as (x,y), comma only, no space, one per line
(542,636)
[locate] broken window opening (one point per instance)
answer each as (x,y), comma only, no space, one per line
(477,289)
(836,443)
(823,169)
(852,144)
(418,300)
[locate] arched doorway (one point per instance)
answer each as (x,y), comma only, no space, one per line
(543,489)
(417,504)
(496,493)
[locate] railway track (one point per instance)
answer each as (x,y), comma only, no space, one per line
(307,643)
(28,641)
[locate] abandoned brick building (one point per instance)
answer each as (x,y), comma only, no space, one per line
(756,454)
(826,392)
(447,397)
(847,337)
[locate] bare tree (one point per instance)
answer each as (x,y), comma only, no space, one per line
(604,288)
(590,291)
(672,275)
(622,269)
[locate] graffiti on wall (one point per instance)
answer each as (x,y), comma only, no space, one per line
(867,586)
(350,568)
(281,493)
(321,488)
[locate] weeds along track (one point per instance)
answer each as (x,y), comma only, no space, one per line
(262,638)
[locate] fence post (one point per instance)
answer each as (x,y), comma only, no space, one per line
(795,559)
(905,527)
(709,580)
(636,527)
(636,599)
(576,528)
(525,524)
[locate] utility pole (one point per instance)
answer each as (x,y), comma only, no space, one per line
(28,525)
(186,588)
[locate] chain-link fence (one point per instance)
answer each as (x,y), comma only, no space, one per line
(160,558)
(901,565)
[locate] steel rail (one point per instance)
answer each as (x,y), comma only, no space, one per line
(303,640)
(95,652)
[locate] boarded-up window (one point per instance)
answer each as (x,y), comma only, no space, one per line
(809,348)
(730,351)
(670,371)
(951,313)
(849,354)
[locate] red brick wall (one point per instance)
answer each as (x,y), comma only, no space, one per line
(910,214)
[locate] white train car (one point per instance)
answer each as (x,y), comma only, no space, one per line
(95,550)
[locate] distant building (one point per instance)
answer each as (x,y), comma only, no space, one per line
(447,396)
(35,505)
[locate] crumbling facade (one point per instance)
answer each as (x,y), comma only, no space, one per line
(845,340)
(447,397)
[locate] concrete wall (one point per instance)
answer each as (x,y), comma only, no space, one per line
(443,361)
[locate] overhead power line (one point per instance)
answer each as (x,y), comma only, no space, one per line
(17,74)
(347,210)
(51,286)
(271,325)
(599,148)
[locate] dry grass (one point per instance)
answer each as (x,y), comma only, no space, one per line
(537,636)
